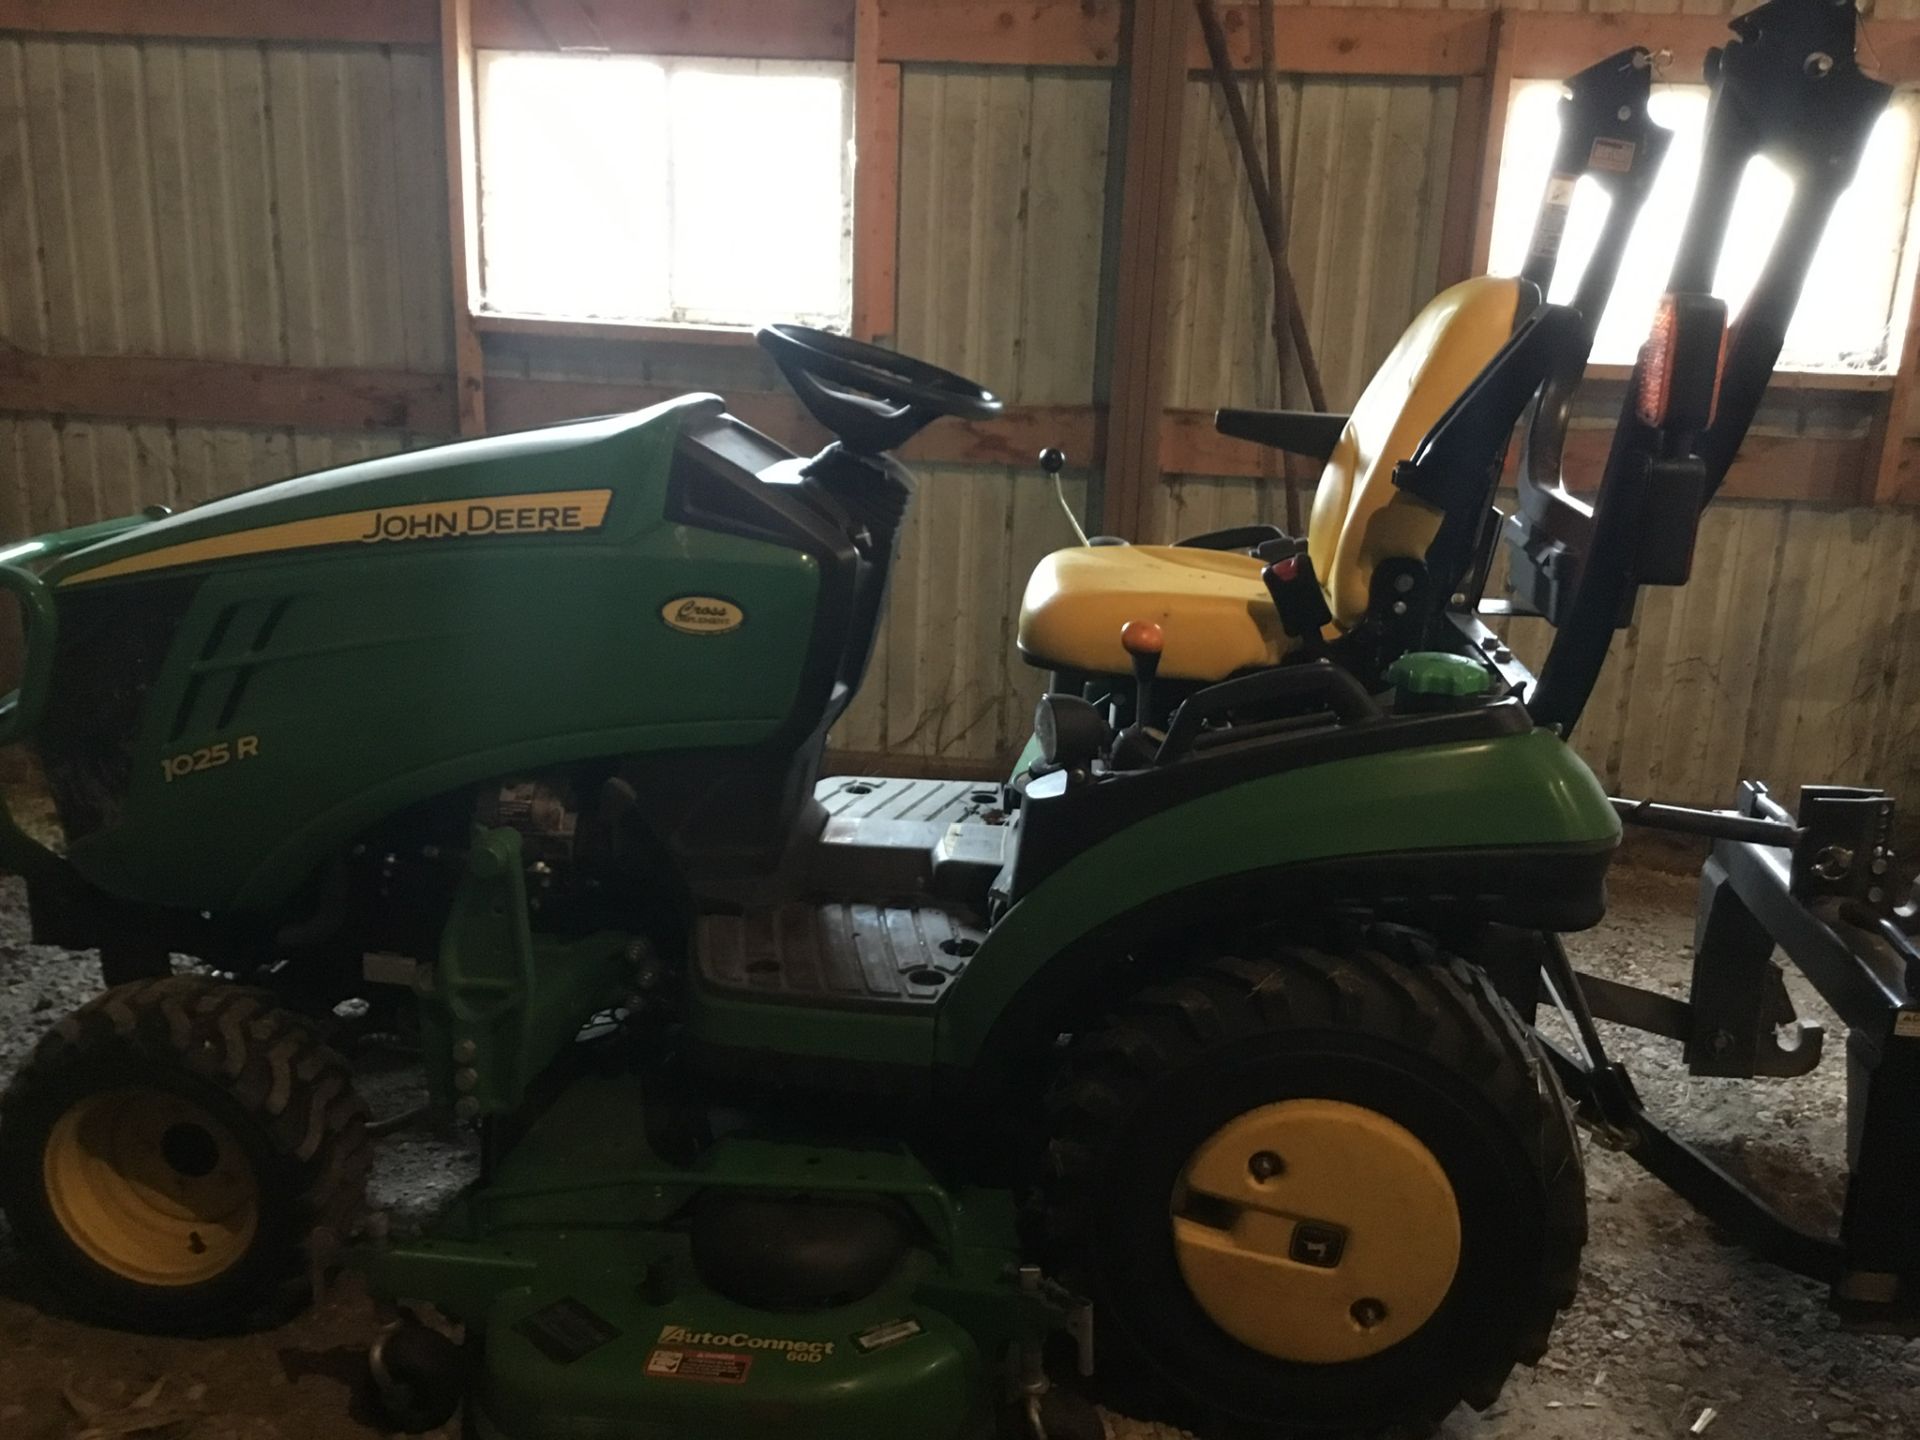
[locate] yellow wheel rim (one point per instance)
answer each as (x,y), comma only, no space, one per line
(1316,1231)
(151,1187)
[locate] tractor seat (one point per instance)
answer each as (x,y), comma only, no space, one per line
(1212,605)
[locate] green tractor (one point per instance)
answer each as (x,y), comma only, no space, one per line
(1194,1061)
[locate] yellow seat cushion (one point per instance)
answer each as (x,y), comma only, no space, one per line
(1212,604)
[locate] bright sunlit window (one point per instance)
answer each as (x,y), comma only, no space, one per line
(700,192)
(1848,318)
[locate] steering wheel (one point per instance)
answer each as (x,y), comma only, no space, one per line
(871,398)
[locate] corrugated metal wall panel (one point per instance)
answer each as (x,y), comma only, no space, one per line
(1365,181)
(1002,204)
(285,204)
(69,472)
(263,203)
(225,201)
(1781,661)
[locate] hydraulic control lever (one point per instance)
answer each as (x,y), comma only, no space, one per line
(1134,747)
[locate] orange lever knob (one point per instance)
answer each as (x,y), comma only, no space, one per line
(1142,637)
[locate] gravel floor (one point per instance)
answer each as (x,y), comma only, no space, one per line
(1670,1321)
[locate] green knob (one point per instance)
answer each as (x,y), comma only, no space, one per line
(1433,675)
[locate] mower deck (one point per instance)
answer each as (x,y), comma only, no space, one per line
(615,1302)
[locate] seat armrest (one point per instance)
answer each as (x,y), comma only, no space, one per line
(1297,432)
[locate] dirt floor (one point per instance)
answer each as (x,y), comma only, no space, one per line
(1671,1322)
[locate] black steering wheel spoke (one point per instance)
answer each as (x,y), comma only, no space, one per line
(870,398)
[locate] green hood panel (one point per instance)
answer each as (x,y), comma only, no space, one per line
(475,489)
(1516,792)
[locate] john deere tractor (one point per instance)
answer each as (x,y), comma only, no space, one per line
(1190,1067)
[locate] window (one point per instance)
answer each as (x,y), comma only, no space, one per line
(703,192)
(1851,317)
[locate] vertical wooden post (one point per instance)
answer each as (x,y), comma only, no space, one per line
(1890,484)
(463,211)
(876,179)
(1499,95)
(1156,77)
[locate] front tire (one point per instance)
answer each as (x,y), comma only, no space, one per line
(1315,1194)
(176,1151)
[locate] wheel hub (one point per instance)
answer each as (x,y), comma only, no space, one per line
(151,1186)
(1316,1231)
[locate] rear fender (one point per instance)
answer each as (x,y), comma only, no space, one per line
(1509,827)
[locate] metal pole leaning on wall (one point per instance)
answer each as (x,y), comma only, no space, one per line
(1264,178)
(1290,464)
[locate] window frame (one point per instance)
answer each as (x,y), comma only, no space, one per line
(486,319)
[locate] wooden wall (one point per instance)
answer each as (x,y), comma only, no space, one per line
(283,203)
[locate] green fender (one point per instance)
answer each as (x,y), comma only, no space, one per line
(1517,791)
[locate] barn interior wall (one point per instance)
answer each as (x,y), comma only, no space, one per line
(285,204)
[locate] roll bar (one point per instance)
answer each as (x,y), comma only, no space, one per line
(1787,86)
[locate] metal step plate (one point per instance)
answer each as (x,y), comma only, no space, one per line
(909,837)
(843,954)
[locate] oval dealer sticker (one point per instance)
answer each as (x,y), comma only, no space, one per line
(702,615)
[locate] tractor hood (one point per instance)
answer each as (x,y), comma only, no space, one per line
(563,478)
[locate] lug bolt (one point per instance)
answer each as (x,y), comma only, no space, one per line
(464,1051)
(1264,1165)
(467,1080)
(1367,1312)
(1833,862)
(466,1109)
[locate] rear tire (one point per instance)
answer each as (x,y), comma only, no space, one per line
(177,1153)
(1424,1133)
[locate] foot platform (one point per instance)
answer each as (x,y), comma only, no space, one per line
(879,956)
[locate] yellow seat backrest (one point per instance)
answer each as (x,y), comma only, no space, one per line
(1213,605)
(1359,518)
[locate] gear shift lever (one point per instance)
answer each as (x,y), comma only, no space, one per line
(1143,641)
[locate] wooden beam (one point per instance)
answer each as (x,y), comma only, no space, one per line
(463,210)
(338,22)
(1472,122)
(1551,47)
(1500,77)
(1014,438)
(286,397)
(1358,40)
(1894,479)
(613,332)
(876,179)
(745,29)
(1156,100)
(222,392)
(1313,39)
(1832,469)
(1002,32)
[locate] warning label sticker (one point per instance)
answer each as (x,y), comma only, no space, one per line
(566,1330)
(1611,154)
(890,1332)
(1552,221)
(716,1367)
